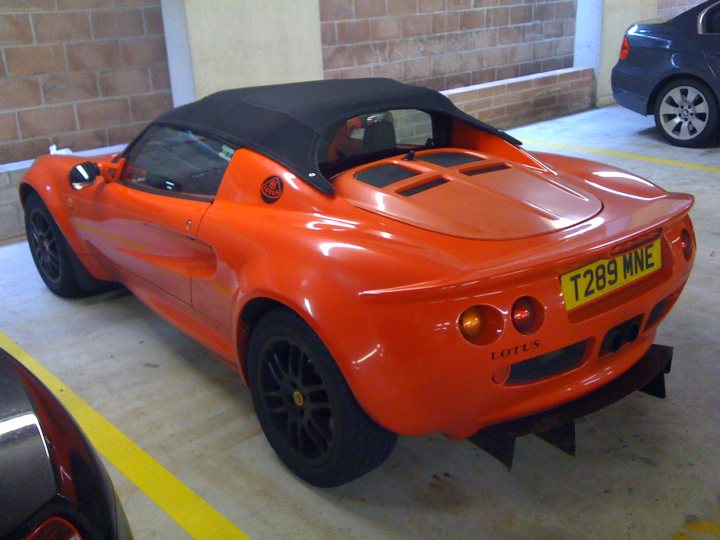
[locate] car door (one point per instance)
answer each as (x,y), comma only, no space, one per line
(144,225)
(710,38)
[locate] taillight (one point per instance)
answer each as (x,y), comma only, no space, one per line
(625,48)
(481,325)
(686,244)
(55,528)
(527,315)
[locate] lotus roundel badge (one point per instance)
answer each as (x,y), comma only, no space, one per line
(271,189)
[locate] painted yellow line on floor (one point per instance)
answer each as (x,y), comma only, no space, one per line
(198,518)
(639,157)
(708,528)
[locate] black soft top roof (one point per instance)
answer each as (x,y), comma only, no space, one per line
(286,121)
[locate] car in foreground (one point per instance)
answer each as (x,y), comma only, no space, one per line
(671,69)
(373,262)
(53,484)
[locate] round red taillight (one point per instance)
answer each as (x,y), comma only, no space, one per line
(527,315)
(625,48)
(686,244)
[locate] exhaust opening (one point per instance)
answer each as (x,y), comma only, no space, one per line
(620,336)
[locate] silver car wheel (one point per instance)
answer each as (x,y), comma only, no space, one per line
(684,113)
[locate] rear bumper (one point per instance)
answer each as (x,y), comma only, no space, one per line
(435,381)
(629,88)
(650,369)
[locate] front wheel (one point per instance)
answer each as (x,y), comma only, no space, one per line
(54,259)
(686,113)
(50,252)
(306,409)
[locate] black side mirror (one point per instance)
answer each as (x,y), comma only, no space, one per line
(84,174)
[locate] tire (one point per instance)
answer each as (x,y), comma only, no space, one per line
(686,113)
(54,259)
(306,409)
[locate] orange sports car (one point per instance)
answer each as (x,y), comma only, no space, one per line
(374,262)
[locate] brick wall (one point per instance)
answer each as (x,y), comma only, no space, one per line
(78,73)
(527,99)
(670,8)
(446,43)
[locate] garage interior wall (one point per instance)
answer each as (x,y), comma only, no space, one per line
(266,43)
(443,44)
(87,74)
(78,74)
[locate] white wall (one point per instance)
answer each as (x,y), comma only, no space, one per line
(600,27)
(238,43)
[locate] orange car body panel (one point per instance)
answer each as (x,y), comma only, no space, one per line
(383,278)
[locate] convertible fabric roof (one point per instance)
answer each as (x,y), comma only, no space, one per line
(286,121)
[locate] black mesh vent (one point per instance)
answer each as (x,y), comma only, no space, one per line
(384,175)
(424,187)
(448,159)
(547,365)
(490,169)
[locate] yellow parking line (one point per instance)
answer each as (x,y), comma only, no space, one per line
(627,155)
(198,518)
(708,528)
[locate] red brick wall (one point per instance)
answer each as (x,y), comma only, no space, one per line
(78,73)
(446,43)
(670,8)
(531,98)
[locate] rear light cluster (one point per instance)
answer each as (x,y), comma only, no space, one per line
(625,48)
(55,528)
(483,324)
(527,315)
(686,244)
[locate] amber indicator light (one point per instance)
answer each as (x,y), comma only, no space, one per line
(471,323)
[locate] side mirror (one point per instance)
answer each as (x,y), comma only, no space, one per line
(84,174)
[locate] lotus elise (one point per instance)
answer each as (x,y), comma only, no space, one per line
(374,262)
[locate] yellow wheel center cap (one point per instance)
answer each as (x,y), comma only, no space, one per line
(298,398)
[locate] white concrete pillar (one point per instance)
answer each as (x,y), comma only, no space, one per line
(600,27)
(218,44)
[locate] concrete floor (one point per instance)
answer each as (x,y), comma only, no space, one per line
(644,468)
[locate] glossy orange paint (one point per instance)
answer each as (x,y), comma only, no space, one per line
(383,277)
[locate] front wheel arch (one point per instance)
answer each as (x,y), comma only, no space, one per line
(25,191)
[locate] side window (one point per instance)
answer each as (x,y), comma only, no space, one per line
(177,161)
(712,26)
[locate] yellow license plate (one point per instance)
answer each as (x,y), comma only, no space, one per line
(602,277)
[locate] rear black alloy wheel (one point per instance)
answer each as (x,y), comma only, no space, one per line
(305,408)
(296,399)
(50,252)
(686,113)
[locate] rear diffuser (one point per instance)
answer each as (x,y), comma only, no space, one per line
(557,426)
